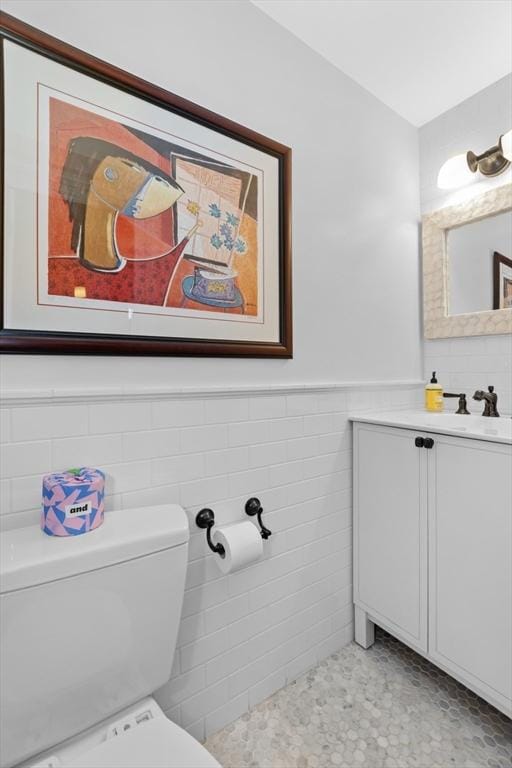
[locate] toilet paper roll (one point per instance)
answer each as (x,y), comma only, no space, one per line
(73,501)
(242,544)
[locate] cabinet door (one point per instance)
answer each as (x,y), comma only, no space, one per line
(390,530)
(470,563)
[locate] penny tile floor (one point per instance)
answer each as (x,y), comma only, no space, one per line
(385,707)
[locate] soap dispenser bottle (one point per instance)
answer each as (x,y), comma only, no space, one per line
(434,395)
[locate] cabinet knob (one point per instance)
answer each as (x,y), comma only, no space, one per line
(429,443)
(419,442)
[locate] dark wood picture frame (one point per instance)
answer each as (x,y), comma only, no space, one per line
(498,259)
(46,342)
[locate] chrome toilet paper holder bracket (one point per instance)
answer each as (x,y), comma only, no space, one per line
(206,519)
(253,507)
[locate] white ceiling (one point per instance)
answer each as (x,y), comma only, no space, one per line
(420,57)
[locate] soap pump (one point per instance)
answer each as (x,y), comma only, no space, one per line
(434,395)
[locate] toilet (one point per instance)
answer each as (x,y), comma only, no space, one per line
(88,631)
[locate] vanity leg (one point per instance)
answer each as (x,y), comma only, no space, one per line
(364,628)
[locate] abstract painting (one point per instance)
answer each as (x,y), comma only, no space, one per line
(159,228)
(139,220)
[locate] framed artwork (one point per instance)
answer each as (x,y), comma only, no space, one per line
(502,293)
(135,222)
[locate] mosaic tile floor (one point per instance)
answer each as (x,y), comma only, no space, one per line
(382,708)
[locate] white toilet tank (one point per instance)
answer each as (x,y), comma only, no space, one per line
(88,623)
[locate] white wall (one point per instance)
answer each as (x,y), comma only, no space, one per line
(464,365)
(356,301)
(355,197)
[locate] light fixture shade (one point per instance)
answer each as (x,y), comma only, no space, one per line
(506,145)
(455,172)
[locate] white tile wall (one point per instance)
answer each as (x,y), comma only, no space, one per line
(245,635)
(465,365)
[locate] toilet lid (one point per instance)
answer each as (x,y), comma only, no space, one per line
(155,744)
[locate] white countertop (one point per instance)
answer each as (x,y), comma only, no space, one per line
(496,430)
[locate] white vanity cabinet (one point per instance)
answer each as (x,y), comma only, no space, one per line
(433,550)
(470,563)
(390,530)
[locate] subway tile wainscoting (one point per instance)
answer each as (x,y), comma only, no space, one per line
(242,636)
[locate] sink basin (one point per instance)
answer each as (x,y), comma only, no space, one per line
(477,427)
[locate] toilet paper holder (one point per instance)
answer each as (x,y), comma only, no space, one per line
(253,507)
(205,519)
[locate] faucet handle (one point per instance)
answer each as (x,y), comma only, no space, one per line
(463,405)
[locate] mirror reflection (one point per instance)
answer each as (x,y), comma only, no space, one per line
(480,265)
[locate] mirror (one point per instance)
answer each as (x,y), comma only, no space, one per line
(479,256)
(467,266)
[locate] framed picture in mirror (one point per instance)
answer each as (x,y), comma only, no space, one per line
(502,268)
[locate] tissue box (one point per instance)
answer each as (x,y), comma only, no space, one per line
(73,501)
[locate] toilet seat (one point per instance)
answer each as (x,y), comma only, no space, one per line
(158,743)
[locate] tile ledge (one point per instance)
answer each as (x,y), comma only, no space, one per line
(27,397)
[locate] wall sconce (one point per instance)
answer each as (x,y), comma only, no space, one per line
(460,170)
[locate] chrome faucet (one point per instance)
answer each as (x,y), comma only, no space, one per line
(491,401)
